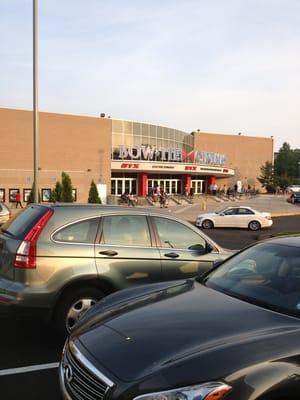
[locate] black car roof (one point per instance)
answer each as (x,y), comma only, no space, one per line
(289,240)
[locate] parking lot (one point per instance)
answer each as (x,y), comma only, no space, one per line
(29,352)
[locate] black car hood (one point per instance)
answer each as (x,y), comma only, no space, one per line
(187,320)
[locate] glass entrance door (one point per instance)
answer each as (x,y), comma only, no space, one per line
(122,185)
(197,185)
(170,186)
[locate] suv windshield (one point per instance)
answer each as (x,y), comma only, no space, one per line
(266,274)
(21,223)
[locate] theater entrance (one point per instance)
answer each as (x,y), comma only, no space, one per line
(170,186)
(122,185)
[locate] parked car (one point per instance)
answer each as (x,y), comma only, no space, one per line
(58,260)
(235,217)
(294,197)
(5,213)
(233,333)
(293,188)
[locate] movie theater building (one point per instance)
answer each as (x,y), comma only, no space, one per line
(121,156)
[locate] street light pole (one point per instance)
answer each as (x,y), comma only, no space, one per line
(35,101)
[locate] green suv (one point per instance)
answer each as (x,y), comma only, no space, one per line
(57,260)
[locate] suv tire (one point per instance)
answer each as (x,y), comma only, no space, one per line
(72,306)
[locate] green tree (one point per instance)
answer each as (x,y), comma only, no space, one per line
(52,197)
(267,178)
(66,193)
(285,165)
(31,196)
(56,194)
(93,194)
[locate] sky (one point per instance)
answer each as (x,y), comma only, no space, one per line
(222,66)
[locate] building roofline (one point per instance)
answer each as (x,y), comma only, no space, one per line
(52,112)
(150,123)
(233,134)
(131,120)
(92,116)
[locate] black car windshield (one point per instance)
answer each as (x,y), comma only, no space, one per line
(266,274)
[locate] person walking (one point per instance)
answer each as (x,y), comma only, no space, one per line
(131,200)
(162,198)
(18,199)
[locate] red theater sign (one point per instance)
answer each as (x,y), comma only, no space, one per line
(190,168)
(130,166)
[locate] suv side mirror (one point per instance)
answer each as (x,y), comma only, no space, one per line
(209,248)
(198,248)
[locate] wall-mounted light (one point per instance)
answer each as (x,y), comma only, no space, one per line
(89,170)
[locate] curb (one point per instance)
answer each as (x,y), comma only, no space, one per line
(287,214)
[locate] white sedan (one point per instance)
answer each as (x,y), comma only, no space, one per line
(235,217)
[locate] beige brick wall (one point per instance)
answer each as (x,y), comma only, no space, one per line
(245,154)
(78,145)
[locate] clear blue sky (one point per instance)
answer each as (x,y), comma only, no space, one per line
(223,66)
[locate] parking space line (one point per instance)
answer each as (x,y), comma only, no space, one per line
(31,368)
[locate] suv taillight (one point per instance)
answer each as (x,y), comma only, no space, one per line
(26,253)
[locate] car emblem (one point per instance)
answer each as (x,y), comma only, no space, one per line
(68,373)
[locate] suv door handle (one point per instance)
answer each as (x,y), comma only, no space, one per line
(109,252)
(171,255)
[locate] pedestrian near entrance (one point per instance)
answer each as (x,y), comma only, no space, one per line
(131,200)
(18,199)
(163,199)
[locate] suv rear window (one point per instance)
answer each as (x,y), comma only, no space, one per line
(21,223)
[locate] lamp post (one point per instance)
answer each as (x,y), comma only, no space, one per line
(35,101)
(298,171)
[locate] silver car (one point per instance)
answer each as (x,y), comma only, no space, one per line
(5,213)
(58,260)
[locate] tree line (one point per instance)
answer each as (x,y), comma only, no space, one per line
(283,172)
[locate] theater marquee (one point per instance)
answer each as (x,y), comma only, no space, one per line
(152,153)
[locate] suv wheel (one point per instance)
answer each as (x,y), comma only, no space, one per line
(254,226)
(73,306)
(207,224)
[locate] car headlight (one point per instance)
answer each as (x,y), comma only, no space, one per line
(206,391)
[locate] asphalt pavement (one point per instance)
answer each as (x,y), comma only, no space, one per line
(29,353)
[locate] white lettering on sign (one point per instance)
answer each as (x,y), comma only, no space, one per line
(149,153)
